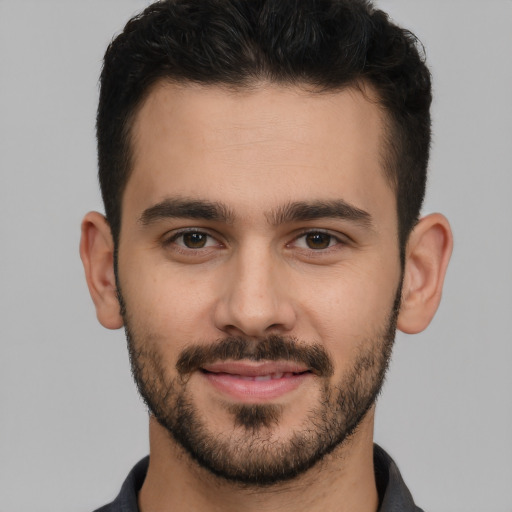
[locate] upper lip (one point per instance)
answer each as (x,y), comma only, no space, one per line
(255,368)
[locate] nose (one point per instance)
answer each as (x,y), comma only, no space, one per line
(255,299)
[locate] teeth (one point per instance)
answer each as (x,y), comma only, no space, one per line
(262,377)
(270,376)
(245,377)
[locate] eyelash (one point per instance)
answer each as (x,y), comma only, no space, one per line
(312,232)
(332,238)
(192,231)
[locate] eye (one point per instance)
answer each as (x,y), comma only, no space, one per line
(316,240)
(193,240)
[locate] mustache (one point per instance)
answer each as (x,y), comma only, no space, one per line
(270,348)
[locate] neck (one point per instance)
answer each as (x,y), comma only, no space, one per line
(343,481)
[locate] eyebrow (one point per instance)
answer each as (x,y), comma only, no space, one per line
(186,209)
(292,212)
(305,211)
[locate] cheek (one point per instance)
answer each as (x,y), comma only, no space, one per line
(168,304)
(348,310)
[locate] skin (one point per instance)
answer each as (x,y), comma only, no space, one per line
(256,152)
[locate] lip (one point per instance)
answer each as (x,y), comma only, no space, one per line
(255,382)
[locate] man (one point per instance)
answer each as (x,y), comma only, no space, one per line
(263,166)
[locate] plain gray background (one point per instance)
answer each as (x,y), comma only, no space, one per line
(71,423)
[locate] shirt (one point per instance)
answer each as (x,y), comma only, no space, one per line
(393,493)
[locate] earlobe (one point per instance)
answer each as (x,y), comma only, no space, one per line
(427,255)
(97,253)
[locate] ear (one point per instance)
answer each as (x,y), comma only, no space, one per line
(97,253)
(427,255)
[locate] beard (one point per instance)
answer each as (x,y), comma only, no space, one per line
(251,453)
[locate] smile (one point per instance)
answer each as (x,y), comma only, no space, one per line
(255,382)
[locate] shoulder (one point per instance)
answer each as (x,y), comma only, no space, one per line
(394,495)
(126,500)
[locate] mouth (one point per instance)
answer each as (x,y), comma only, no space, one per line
(255,382)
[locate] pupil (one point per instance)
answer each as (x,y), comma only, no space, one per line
(194,240)
(318,240)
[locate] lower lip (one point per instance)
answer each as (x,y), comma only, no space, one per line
(254,390)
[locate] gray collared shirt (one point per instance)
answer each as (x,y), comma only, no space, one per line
(393,493)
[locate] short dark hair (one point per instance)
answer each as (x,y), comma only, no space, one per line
(325,44)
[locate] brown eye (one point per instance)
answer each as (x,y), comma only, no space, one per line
(194,240)
(318,240)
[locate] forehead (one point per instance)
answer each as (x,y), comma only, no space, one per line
(268,143)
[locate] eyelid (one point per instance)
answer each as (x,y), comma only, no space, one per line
(339,237)
(171,237)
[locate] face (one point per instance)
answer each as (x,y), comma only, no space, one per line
(259,272)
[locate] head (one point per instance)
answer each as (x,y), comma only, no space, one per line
(263,167)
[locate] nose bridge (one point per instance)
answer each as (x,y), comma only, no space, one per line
(255,301)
